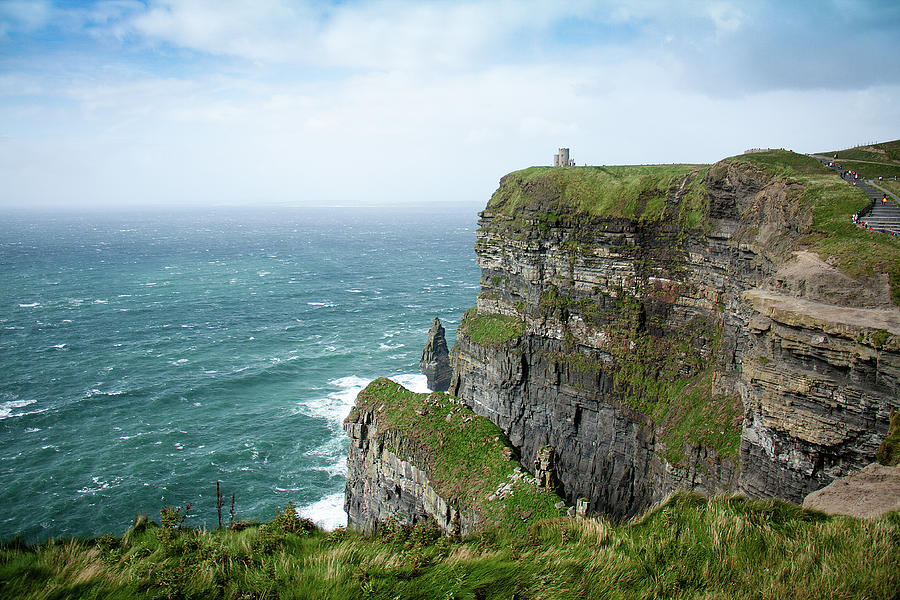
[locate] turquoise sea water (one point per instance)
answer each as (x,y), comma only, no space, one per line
(143,357)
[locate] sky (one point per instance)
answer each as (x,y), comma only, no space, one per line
(128,103)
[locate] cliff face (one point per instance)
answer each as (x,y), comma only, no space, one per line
(427,457)
(676,337)
(381,486)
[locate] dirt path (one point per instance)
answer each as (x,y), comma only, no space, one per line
(846,160)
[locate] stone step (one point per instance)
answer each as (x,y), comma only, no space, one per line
(884,218)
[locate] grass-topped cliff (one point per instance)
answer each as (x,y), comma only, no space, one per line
(684,326)
(677,195)
(632,192)
(467,459)
(689,547)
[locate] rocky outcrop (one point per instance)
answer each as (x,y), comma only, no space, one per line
(382,487)
(417,458)
(866,494)
(435,363)
(659,350)
(821,382)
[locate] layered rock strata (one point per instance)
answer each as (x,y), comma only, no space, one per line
(383,488)
(673,352)
(427,457)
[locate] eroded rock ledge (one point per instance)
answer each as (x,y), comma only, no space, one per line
(682,339)
(427,457)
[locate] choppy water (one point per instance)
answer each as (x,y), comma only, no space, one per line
(143,357)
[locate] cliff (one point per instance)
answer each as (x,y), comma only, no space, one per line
(420,458)
(684,327)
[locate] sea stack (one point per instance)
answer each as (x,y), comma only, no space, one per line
(435,362)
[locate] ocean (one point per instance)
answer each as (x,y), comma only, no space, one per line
(144,356)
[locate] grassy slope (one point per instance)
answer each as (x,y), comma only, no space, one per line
(490,329)
(893,186)
(689,547)
(465,456)
(871,161)
(630,192)
(834,237)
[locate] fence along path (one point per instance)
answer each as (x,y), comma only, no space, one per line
(879,216)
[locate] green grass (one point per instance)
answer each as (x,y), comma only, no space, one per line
(893,186)
(856,251)
(783,163)
(871,171)
(631,192)
(871,161)
(883,152)
(689,547)
(491,329)
(833,236)
(889,450)
(465,456)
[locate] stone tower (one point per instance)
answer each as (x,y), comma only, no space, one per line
(562,159)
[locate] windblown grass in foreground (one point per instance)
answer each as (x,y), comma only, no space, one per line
(689,547)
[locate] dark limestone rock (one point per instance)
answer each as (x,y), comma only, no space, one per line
(383,487)
(435,362)
(545,468)
(812,368)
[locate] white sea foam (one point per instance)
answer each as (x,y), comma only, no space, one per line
(325,304)
(414,382)
(334,451)
(328,512)
(98,486)
(6,408)
(336,405)
(337,468)
(391,347)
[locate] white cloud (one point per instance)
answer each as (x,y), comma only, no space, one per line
(727,17)
(396,101)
